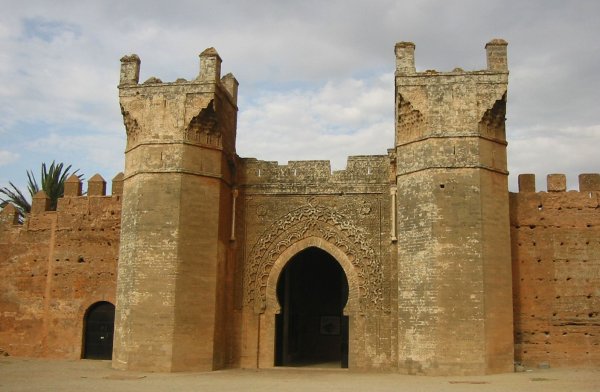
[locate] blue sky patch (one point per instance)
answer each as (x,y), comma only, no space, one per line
(48,30)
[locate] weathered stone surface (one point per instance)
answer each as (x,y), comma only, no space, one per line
(117,184)
(589,182)
(54,267)
(96,186)
(557,183)
(73,186)
(526,182)
(455,310)
(424,237)
(176,215)
(556,259)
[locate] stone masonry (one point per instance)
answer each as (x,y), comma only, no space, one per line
(454,279)
(55,266)
(441,269)
(556,263)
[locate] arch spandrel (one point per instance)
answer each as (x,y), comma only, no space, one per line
(272,304)
(323,227)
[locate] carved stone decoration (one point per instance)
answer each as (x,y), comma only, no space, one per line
(492,122)
(322,222)
(365,208)
(410,123)
(204,127)
(261,211)
(132,127)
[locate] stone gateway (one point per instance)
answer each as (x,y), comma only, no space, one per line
(417,261)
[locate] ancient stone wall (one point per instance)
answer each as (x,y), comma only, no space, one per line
(56,265)
(287,208)
(454,278)
(176,221)
(556,272)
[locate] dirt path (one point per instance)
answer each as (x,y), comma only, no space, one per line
(19,374)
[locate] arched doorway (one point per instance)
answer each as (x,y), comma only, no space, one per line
(311,329)
(98,331)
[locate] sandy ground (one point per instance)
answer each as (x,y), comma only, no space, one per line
(20,374)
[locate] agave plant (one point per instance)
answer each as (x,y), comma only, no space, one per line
(52,180)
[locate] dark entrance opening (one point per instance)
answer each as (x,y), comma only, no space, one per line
(311,329)
(98,331)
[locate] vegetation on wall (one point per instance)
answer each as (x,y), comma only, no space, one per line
(52,182)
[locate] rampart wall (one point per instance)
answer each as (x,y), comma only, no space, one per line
(556,280)
(300,176)
(56,265)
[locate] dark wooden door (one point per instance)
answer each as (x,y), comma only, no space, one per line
(99,327)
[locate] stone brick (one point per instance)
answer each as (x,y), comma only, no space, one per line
(526,182)
(453,233)
(557,183)
(73,186)
(117,184)
(589,182)
(96,186)
(55,266)
(555,260)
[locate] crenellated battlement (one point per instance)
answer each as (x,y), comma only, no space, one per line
(588,182)
(556,207)
(96,188)
(359,169)
(496,56)
(185,126)
(9,216)
(209,72)
(73,202)
(451,119)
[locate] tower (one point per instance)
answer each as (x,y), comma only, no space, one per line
(454,265)
(177,200)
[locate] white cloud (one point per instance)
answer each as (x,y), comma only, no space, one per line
(314,76)
(7,157)
(346,117)
(543,150)
(91,153)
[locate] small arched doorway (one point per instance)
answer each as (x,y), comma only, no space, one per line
(98,331)
(311,329)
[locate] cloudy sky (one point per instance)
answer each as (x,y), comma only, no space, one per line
(316,77)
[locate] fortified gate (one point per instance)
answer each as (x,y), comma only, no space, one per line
(400,261)
(416,261)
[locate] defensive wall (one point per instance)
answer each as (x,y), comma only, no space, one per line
(361,169)
(556,259)
(55,266)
